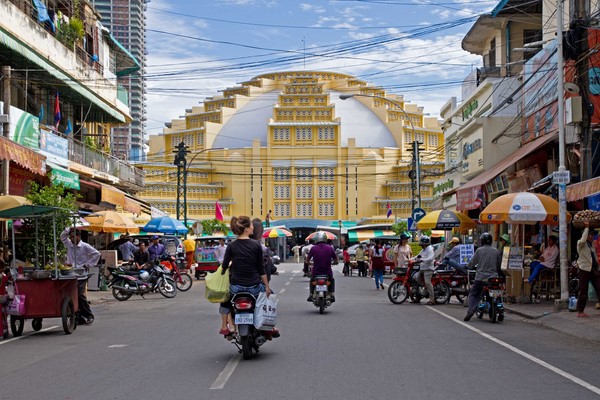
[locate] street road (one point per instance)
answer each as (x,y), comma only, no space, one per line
(363,347)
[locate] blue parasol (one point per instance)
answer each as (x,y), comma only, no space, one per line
(166,225)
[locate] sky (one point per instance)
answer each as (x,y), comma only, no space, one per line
(197,48)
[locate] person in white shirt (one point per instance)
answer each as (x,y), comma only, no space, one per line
(547,259)
(402,251)
(221,251)
(305,251)
(426,258)
(80,255)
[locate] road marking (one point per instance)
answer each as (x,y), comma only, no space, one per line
(224,376)
(528,356)
(27,334)
(287,283)
(295,271)
(281,291)
(117,346)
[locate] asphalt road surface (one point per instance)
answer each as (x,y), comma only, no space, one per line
(363,347)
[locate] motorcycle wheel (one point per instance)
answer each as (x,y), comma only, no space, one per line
(493,312)
(397,292)
(441,291)
(184,283)
(479,314)
(167,288)
(321,305)
(500,317)
(121,295)
(246,347)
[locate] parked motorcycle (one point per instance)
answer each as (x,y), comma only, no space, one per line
(247,338)
(172,264)
(457,281)
(491,300)
(405,283)
(321,295)
(125,284)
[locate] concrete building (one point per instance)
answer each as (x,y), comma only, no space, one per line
(126,20)
(286,142)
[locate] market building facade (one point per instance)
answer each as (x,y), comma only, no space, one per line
(285,142)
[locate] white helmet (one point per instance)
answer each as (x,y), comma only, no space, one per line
(320,237)
(144,275)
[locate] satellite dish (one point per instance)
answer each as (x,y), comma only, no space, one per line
(571,87)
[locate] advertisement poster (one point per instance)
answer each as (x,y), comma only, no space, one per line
(24,128)
(466,253)
(54,144)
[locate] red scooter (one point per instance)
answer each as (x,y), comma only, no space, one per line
(405,284)
(457,281)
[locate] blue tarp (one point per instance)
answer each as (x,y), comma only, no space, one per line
(43,14)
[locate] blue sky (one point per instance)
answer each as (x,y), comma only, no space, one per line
(409,47)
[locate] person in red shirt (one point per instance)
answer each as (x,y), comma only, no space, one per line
(347,268)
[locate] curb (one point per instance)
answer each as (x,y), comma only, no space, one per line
(524,314)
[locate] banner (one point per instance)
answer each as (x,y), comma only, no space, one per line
(24,127)
(54,144)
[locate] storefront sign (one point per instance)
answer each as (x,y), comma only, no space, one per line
(442,187)
(468,111)
(515,259)
(24,127)
(469,199)
(594,202)
(53,144)
(67,178)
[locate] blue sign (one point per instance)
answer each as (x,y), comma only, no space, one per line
(417,214)
(594,202)
(412,225)
(54,144)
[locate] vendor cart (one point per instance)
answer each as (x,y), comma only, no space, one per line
(206,255)
(48,293)
(47,298)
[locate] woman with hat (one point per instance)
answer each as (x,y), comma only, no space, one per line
(503,241)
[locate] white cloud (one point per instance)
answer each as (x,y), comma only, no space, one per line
(311,7)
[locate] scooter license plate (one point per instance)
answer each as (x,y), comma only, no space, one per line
(496,293)
(321,288)
(244,318)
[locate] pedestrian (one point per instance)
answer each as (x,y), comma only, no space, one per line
(359,256)
(588,271)
(402,251)
(503,242)
(296,251)
(268,219)
(547,259)
(347,269)
(377,264)
(189,245)
(221,248)
(127,248)
(80,255)
(426,258)
(487,260)
(156,249)
(368,262)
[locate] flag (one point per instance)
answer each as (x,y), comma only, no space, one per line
(57,115)
(389,209)
(218,211)
(69,128)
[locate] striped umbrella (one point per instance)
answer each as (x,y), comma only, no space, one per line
(328,234)
(522,208)
(276,232)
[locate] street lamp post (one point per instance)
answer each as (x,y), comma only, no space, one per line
(415,173)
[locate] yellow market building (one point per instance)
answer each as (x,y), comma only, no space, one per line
(286,142)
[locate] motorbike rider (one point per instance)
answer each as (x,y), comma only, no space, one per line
(452,257)
(426,260)
(141,257)
(487,261)
(322,255)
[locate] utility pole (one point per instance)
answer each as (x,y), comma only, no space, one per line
(181,163)
(579,24)
(6,78)
(415,175)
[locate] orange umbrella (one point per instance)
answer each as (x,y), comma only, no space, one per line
(446,220)
(522,208)
(110,222)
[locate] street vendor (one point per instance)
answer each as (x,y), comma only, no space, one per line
(80,255)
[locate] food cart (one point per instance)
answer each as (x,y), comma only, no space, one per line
(49,293)
(206,255)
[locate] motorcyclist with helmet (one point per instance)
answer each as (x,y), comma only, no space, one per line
(487,262)
(322,255)
(426,259)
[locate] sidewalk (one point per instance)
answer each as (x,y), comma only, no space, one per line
(565,321)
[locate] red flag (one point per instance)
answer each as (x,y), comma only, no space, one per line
(57,114)
(218,211)
(389,209)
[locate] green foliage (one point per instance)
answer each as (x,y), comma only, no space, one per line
(210,226)
(71,33)
(52,196)
(400,227)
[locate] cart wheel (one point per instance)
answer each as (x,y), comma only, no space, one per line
(16,325)
(36,324)
(68,316)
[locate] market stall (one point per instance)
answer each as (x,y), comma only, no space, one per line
(39,290)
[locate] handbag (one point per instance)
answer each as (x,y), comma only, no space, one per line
(265,312)
(217,286)
(17,304)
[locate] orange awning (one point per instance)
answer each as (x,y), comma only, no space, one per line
(581,190)
(23,156)
(113,196)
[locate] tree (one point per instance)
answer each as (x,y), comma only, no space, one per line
(400,227)
(65,203)
(210,226)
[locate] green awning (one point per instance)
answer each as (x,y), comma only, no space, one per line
(7,40)
(126,62)
(64,176)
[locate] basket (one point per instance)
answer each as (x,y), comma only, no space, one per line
(580,223)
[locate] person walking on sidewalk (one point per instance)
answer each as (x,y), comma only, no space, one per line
(587,265)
